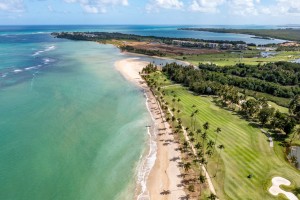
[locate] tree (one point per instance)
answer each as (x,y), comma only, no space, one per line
(202,180)
(210,144)
(265,114)
(252,107)
(212,197)
(198,146)
(209,152)
(296,132)
(218,131)
(187,166)
(206,126)
(294,107)
(221,147)
(198,131)
(204,137)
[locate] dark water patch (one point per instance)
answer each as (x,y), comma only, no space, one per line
(297,61)
(294,156)
(267,54)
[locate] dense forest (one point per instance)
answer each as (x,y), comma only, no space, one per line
(143,51)
(209,78)
(98,36)
(284,73)
(285,34)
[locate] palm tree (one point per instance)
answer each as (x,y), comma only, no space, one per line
(198,131)
(221,147)
(198,146)
(212,197)
(173,100)
(209,152)
(192,117)
(195,113)
(206,126)
(202,161)
(210,144)
(200,153)
(218,131)
(191,134)
(185,145)
(202,180)
(187,166)
(204,137)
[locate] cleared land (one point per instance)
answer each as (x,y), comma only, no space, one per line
(170,49)
(249,57)
(247,149)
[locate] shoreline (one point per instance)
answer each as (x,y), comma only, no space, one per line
(155,57)
(156,172)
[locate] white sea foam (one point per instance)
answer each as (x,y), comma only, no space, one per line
(18,70)
(48,60)
(30,68)
(37,53)
(49,48)
(148,162)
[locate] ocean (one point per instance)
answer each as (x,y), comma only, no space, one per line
(71,126)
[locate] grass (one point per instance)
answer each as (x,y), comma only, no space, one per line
(250,57)
(280,101)
(247,150)
(277,107)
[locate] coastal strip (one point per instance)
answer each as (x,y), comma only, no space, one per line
(160,171)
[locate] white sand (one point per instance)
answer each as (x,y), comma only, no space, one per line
(275,189)
(164,174)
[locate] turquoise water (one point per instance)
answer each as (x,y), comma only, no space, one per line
(148,30)
(71,127)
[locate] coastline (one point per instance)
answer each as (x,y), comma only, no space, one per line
(157,173)
(156,57)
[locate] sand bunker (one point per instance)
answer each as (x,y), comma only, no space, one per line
(275,189)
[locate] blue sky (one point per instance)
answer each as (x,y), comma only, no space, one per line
(228,12)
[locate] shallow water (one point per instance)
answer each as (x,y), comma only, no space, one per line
(71,126)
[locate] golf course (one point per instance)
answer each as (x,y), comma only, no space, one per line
(248,163)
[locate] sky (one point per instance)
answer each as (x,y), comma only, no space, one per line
(202,12)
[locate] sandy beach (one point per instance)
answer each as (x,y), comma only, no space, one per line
(163,174)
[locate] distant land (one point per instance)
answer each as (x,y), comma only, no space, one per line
(292,34)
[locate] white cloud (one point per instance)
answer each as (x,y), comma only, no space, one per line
(206,6)
(12,5)
(165,4)
(97,6)
(288,7)
(244,7)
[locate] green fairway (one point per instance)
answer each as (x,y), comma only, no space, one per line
(251,57)
(247,150)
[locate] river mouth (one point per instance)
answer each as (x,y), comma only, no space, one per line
(294,156)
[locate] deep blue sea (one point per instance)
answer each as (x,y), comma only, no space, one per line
(71,126)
